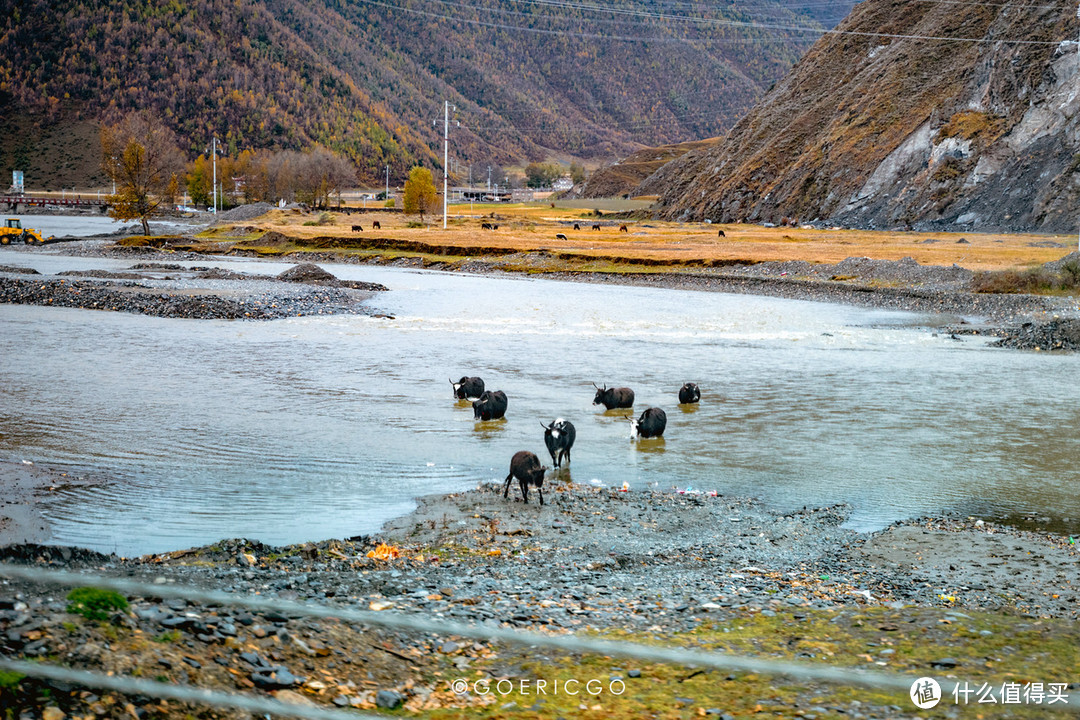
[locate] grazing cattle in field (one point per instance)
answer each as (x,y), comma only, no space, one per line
(495,227)
(357,228)
(468,388)
(560,236)
(612,398)
(689,393)
(721,234)
(375,225)
(622,228)
(651,424)
(576,226)
(559,437)
(526,467)
(596,226)
(490,405)
(485,226)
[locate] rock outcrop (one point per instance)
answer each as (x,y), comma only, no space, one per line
(915,115)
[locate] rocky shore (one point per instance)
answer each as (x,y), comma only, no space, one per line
(170,290)
(935,597)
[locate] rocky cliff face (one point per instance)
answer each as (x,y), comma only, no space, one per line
(971,124)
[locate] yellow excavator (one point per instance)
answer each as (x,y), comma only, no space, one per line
(13,230)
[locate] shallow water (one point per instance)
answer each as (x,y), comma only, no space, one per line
(320,427)
(73,225)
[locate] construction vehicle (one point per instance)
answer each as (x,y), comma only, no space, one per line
(13,230)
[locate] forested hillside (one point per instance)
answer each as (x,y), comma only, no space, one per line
(529,79)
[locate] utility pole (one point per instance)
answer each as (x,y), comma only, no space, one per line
(387,183)
(446,152)
(213,151)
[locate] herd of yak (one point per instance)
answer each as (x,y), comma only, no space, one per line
(560,434)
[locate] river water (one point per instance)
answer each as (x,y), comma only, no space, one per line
(317,427)
(65,225)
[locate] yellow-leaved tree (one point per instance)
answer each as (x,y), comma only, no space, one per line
(140,155)
(420,193)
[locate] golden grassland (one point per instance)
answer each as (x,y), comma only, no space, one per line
(525,228)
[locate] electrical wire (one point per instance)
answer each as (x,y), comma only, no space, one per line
(701,21)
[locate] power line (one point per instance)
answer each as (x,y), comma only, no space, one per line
(687,19)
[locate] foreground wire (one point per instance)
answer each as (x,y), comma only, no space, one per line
(419,623)
(181,693)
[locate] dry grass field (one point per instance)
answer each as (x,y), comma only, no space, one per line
(533,228)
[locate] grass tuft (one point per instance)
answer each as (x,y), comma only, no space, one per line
(94,603)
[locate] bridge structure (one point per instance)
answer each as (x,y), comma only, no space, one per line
(13,202)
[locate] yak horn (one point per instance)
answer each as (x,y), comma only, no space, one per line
(543,425)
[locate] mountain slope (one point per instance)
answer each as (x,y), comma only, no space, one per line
(626,175)
(368,78)
(961,127)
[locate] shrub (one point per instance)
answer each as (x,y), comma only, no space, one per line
(949,169)
(1034,281)
(326,218)
(94,603)
(414,224)
(973,125)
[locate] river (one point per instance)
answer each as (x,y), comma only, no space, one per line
(317,427)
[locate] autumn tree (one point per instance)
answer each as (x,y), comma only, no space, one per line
(253,174)
(318,174)
(577,172)
(538,175)
(140,155)
(420,193)
(200,180)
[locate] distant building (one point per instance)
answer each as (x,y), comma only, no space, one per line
(563,183)
(480,194)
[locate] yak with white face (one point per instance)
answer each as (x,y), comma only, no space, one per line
(468,388)
(651,424)
(526,467)
(689,393)
(559,437)
(490,405)
(612,398)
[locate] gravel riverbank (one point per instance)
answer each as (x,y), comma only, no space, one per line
(664,565)
(170,290)
(1022,321)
